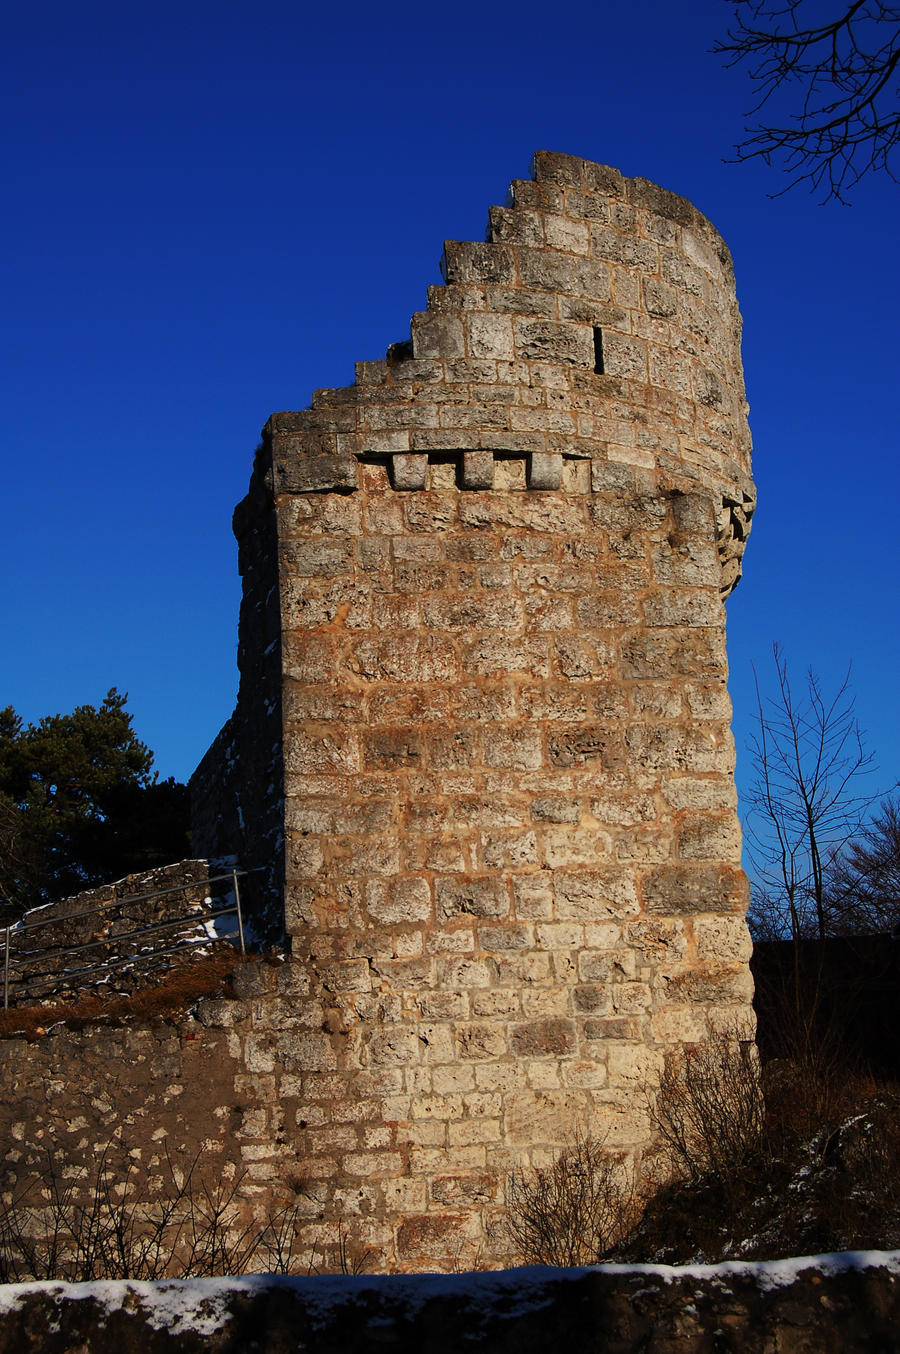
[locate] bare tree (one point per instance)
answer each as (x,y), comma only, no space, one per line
(842,73)
(807,804)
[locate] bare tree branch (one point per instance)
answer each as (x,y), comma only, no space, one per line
(807,804)
(844,76)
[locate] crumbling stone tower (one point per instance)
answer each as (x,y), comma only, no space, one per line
(482,742)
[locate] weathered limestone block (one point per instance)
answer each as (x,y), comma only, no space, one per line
(503,768)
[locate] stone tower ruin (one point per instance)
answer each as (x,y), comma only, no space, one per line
(481,758)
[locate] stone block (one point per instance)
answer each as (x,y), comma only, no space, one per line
(724,938)
(480,1041)
(515,227)
(544,1117)
(372,1164)
(553,167)
(466,261)
(380,442)
(407,901)
(478,469)
(436,335)
(315,474)
(490,336)
(595,894)
(486,897)
(472,1132)
(694,888)
(572,237)
(543,1038)
(432,1235)
(705,837)
(393,1048)
(518,748)
(409,470)
(466,973)
(548,341)
(545,470)
(684,607)
(319,558)
(305,1051)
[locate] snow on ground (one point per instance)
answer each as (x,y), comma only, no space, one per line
(202,1305)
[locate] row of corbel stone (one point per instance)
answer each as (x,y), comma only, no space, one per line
(544,469)
(295,474)
(409,471)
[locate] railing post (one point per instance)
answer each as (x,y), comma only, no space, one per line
(6,971)
(237,900)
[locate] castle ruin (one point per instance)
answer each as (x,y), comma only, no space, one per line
(481,756)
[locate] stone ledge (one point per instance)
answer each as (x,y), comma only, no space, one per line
(829,1304)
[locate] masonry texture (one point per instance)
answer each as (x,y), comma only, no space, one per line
(482,743)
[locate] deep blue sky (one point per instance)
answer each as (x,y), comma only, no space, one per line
(214,208)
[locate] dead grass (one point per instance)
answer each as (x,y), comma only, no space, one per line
(156,1001)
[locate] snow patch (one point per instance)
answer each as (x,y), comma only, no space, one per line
(202,1305)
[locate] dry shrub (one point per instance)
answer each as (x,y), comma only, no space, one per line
(866,1154)
(96,1226)
(806,1096)
(711,1111)
(795,1157)
(573,1211)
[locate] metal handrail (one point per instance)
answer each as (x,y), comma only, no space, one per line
(115,962)
(194,917)
(53,951)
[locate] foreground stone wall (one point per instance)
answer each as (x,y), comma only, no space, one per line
(821,1305)
(504,763)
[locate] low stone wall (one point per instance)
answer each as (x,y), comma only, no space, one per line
(133,1102)
(826,1305)
(227,1087)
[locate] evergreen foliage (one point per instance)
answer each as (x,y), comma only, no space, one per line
(80,804)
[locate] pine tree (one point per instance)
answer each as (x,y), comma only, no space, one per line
(80,804)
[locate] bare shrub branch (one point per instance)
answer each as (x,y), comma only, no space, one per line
(573,1211)
(710,1111)
(99,1227)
